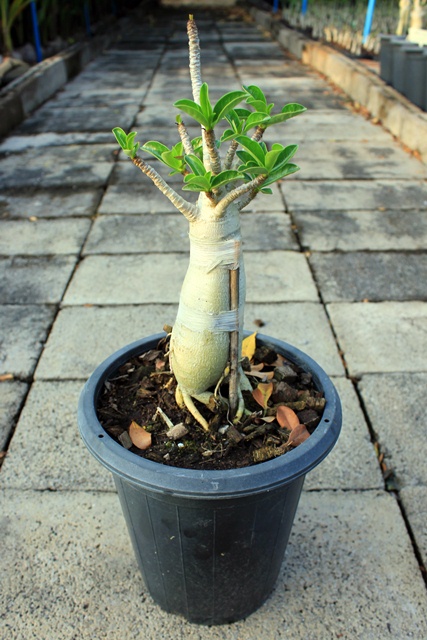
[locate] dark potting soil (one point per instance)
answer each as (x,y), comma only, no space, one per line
(283,410)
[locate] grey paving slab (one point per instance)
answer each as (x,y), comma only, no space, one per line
(358,276)
(69,166)
(12,393)
(383,337)
(79,119)
(331,126)
(341,195)
(396,408)
(169,232)
(72,548)
(49,203)
(34,280)
(361,160)
(24,330)
(362,230)
(43,237)
(51,139)
(414,500)
(353,463)
(82,337)
(304,325)
(276,276)
(46,452)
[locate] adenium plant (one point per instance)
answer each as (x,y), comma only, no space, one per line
(206,338)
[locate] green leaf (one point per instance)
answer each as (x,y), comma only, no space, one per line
(285,170)
(288,111)
(254,119)
(173,160)
(206,105)
(225,177)
(271,158)
(243,113)
(228,134)
(196,183)
(258,105)
(120,136)
(226,103)
(155,148)
(266,190)
(196,165)
(254,148)
(287,153)
(193,110)
(255,93)
(234,120)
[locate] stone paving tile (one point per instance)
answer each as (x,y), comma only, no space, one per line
(274,276)
(34,280)
(59,462)
(341,195)
(396,408)
(16,144)
(353,463)
(24,329)
(169,232)
(12,394)
(383,337)
(302,324)
(70,166)
(82,337)
(79,119)
(362,230)
(49,203)
(42,237)
(70,547)
(414,500)
(331,126)
(360,160)
(358,276)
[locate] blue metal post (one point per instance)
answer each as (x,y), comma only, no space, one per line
(87,18)
(36,32)
(275,6)
(368,20)
(304,7)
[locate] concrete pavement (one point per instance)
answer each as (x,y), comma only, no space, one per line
(91,258)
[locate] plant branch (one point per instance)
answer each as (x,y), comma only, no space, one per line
(189,210)
(259,132)
(185,138)
(214,159)
(194,54)
(253,185)
(231,153)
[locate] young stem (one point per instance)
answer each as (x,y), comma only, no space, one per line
(189,210)
(231,153)
(250,187)
(214,159)
(194,54)
(259,132)
(185,138)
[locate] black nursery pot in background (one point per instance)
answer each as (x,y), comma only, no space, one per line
(209,544)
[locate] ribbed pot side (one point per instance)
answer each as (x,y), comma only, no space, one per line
(209,544)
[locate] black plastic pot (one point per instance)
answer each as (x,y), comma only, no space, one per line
(209,543)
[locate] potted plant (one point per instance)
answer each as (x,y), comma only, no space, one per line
(210,541)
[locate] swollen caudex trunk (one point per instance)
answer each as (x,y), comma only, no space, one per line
(200,342)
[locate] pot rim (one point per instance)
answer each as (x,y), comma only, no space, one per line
(208,484)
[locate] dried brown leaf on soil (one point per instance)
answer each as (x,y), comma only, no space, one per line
(139,436)
(286,417)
